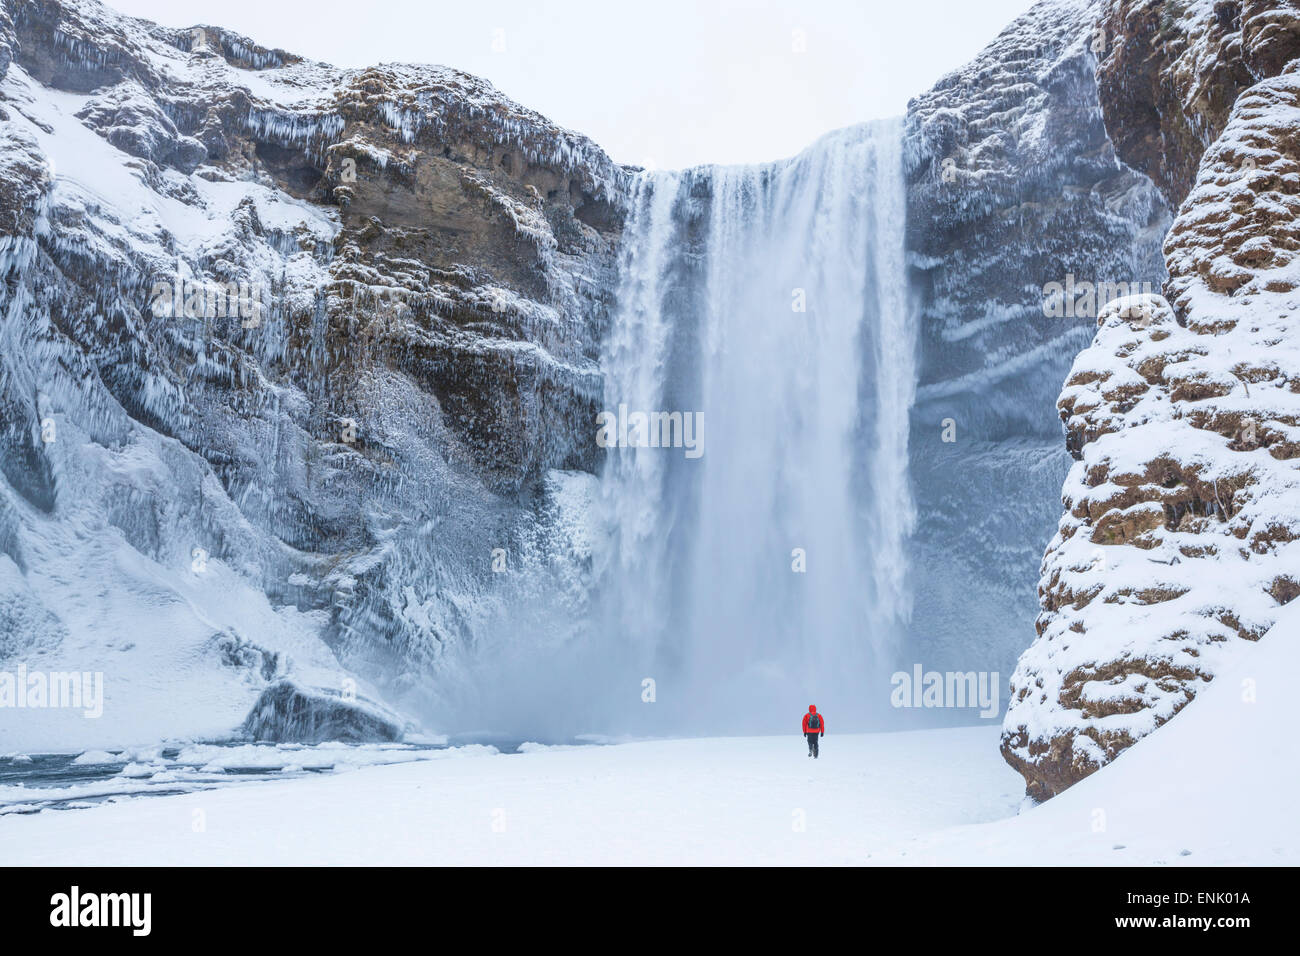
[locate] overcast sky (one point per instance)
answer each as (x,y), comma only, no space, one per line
(667,83)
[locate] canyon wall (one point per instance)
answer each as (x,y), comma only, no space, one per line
(296,362)
(1183,507)
(1014,185)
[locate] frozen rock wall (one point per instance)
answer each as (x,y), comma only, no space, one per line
(294,358)
(1014,185)
(1183,507)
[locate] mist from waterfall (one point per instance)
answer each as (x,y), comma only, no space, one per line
(769,572)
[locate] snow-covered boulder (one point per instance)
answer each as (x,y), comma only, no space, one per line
(289,712)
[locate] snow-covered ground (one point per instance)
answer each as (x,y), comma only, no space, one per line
(699,801)
(1215,786)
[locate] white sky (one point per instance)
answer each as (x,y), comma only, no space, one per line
(667,83)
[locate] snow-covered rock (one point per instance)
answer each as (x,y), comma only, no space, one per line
(288,711)
(289,353)
(1170,72)
(1181,537)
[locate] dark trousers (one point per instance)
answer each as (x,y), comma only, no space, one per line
(812,743)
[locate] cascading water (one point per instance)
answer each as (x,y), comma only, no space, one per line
(768,572)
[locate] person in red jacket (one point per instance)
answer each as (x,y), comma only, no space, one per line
(814,727)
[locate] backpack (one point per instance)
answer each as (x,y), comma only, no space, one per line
(814,722)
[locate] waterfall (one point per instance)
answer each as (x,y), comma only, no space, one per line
(769,572)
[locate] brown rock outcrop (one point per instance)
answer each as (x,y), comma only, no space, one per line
(1182,527)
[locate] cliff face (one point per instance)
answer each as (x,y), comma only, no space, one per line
(290,353)
(1013,185)
(298,369)
(1172,72)
(1183,509)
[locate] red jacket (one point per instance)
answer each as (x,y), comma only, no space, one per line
(812,709)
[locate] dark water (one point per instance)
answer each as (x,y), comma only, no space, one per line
(37,782)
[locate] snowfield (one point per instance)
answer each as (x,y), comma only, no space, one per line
(1215,786)
(719,800)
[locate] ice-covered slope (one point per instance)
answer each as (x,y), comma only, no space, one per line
(291,358)
(1179,543)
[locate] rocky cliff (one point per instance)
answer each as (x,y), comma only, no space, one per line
(1171,73)
(299,364)
(1183,508)
(294,358)
(1014,185)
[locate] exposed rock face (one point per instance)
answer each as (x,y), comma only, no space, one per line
(286,712)
(1171,72)
(1183,511)
(319,339)
(1013,185)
